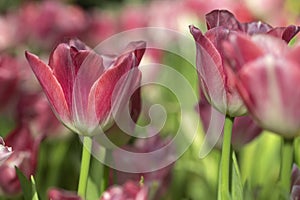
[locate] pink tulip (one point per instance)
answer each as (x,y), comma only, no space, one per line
(24,157)
(216,81)
(60,194)
(267,81)
(128,191)
(83,87)
(5,151)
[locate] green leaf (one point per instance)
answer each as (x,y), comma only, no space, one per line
(92,192)
(25,185)
(237,185)
(35,195)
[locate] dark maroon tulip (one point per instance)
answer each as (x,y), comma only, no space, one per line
(128,191)
(24,157)
(295,186)
(215,76)
(81,85)
(9,77)
(244,128)
(34,108)
(60,194)
(267,79)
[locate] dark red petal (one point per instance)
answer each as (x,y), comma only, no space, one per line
(223,18)
(286,33)
(51,86)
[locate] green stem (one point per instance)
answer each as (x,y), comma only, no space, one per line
(85,165)
(226,159)
(286,164)
(105,175)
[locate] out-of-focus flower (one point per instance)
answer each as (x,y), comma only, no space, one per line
(128,191)
(5,151)
(60,194)
(52,20)
(216,80)
(295,186)
(267,79)
(9,77)
(35,110)
(24,157)
(244,128)
(134,17)
(161,178)
(85,88)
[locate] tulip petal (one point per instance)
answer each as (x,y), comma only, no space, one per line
(271,104)
(222,18)
(210,70)
(51,86)
(100,101)
(286,33)
(240,50)
(90,69)
(64,70)
(252,28)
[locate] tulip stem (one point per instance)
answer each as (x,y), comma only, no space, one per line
(105,175)
(226,159)
(286,164)
(85,165)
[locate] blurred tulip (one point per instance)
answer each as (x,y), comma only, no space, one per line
(295,190)
(244,128)
(215,80)
(80,84)
(128,191)
(34,109)
(160,178)
(9,77)
(24,157)
(5,151)
(267,79)
(60,194)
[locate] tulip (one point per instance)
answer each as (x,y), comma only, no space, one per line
(5,151)
(128,191)
(215,80)
(80,84)
(60,194)
(24,157)
(266,81)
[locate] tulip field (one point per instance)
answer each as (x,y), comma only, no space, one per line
(149,100)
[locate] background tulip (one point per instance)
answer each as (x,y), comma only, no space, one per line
(5,151)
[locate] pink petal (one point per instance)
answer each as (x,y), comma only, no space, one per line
(51,86)
(240,49)
(267,87)
(293,55)
(90,69)
(100,98)
(64,70)
(252,28)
